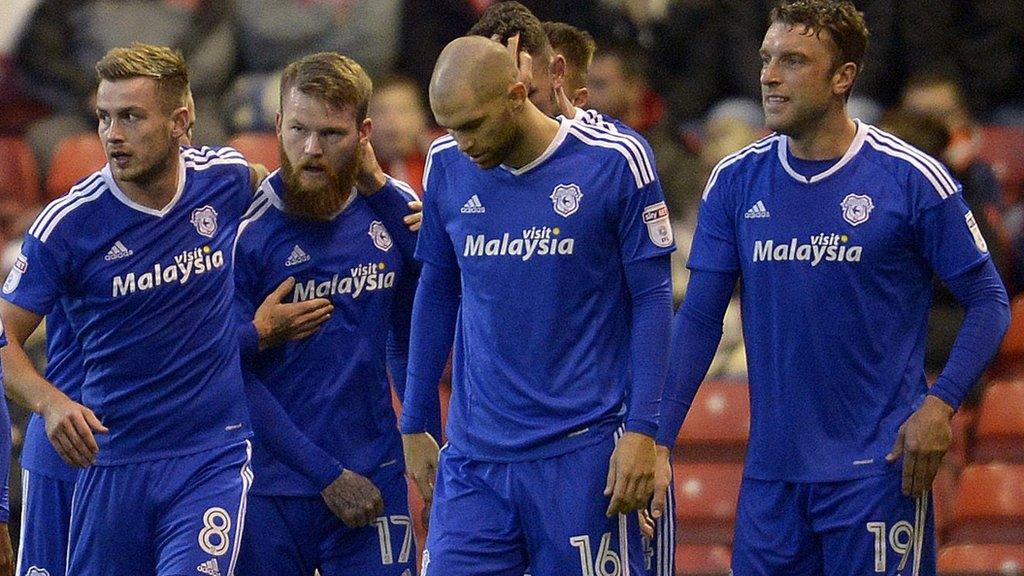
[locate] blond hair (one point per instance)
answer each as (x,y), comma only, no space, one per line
(160,63)
(336,79)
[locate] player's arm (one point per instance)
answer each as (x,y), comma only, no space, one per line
(69,425)
(350,496)
(696,333)
(434,314)
(631,468)
(6,551)
(398,346)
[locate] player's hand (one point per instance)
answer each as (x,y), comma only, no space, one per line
(414,220)
(70,427)
(646,524)
(354,499)
(923,440)
(565,105)
(421,465)
(277,321)
(630,474)
(662,478)
(523,60)
(370,176)
(6,552)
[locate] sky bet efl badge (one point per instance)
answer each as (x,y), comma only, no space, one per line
(566,198)
(857,208)
(658,227)
(205,221)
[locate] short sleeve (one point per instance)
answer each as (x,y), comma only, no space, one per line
(644,227)
(36,280)
(433,244)
(714,246)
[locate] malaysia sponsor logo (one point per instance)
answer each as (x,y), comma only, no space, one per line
(659,230)
(360,279)
(379,234)
(186,265)
(821,248)
(14,276)
(205,221)
(566,199)
(857,208)
(536,241)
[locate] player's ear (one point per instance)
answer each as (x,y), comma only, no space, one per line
(365,130)
(517,96)
(277,123)
(181,120)
(558,67)
(581,97)
(843,78)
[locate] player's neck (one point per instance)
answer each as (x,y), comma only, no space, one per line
(828,139)
(537,132)
(156,192)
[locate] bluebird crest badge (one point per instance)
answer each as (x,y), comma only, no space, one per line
(205,221)
(857,208)
(566,199)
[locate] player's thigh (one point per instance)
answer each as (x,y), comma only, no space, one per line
(385,547)
(562,503)
(474,528)
(199,531)
(772,536)
(281,538)
(868,526)
(45,522)
(111,531)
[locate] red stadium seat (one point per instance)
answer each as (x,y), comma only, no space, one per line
(706,496)
(943,492)
(1010,359)
(718,424)
(75,157)
(999,435)
(1003,148)
(982,560)
(19,181)
(702,560)
(989,506)
(258,147)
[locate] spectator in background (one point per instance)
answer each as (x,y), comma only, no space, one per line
(272,33)
(65,38)
(426,27)
(400,131)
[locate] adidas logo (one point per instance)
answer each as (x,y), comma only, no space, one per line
(117,251)
(473,206)
(209,567)
(758,211)
(296,257)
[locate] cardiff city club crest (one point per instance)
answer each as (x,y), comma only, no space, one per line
(380,236)
(566,198)
(857,208)
(36,571)
(205,221)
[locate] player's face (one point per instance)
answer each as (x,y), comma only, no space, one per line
(485,131)
(399,122)
(797,77)
(136,129)
(608,90)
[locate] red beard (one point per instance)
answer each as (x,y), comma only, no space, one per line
(317,202)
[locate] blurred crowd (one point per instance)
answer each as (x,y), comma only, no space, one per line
(945,75)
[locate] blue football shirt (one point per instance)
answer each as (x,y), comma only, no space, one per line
(836,275)
(148,293)
(333,384)
(541,354)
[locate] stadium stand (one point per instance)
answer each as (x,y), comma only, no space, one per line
(706,501)
(982,560)
(702,560)
(989,506)
(718,424)
(19,181)
(999,435)
(258,147)
(75,157)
